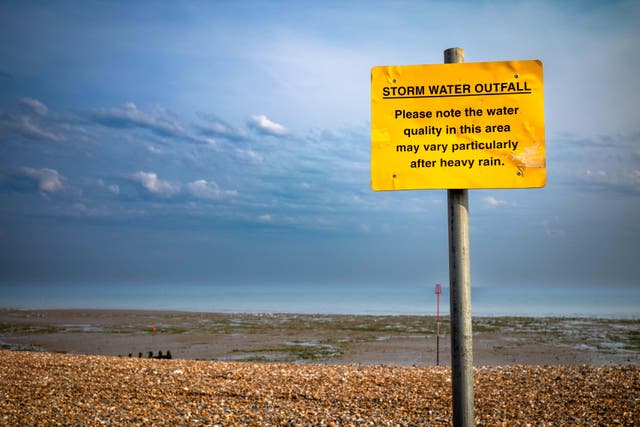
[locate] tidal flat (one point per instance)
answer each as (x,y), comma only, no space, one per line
(321,338)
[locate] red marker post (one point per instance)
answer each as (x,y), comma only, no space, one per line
(438,293)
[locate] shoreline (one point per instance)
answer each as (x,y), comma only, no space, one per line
(412,299)
(398,340)
(630,317)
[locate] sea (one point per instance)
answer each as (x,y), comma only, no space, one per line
(416,299)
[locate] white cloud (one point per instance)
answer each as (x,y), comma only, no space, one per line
(265,218)
(266,126)
(151,182)
(153,149)
(598,173)
(99,183)
(210,141)
(27,127)
(37,106)
(218,128)
(158,119)
(48,180)
(607,162)
(249,154)
(491,202)
(619,179)
(209,190)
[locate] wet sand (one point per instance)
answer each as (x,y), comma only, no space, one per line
(319,339)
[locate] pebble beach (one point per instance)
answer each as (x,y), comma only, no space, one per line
(45,389)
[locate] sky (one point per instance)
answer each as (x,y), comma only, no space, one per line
(229,142)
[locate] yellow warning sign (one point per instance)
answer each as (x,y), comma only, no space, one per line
(458,126)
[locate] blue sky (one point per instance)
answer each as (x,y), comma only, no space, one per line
(229,142)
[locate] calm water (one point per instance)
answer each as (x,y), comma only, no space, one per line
(351,299)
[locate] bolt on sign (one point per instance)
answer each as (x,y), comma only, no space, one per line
(458,126)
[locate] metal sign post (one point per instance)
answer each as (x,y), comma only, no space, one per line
(460,293)
(438,293)
(458,126)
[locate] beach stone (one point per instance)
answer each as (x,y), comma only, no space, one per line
(48,389)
